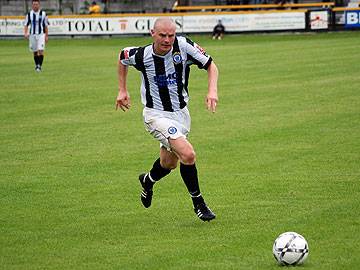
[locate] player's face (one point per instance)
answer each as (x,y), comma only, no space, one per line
(163,36)
(35,6)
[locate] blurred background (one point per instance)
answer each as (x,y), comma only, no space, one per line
(65,7)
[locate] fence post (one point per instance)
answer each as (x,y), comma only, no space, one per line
(26,6)
(333,19)
(307,21)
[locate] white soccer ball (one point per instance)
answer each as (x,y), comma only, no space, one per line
(290,248)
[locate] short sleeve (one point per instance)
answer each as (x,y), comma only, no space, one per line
(27,19)
(127,56)
(46,20)
(197,55)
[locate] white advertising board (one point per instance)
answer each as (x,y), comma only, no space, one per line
(104,25)
(246,22)
(112,25)
(11,27)
(319,20)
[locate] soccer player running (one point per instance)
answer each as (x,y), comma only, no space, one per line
(38,34)
(165,67)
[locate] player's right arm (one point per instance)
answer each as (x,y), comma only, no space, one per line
(46,28)
(126,58)
(26,32)
(123,98)
(26,26)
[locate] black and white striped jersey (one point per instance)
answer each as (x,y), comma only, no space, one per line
(37,22)
(165,78)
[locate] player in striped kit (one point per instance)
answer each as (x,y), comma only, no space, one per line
(165,67)
(38,33)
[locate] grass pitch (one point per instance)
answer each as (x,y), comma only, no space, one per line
(282,153)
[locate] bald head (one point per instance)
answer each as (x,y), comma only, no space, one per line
(164,22)
(163,35)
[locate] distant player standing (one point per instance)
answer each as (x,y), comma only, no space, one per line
(165,67)
(38,34)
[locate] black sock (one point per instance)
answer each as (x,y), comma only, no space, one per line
(190,177)
(156,173)
(36,59)
(41,59)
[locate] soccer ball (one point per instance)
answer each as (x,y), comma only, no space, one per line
(290,248)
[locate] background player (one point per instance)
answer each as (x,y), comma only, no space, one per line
(219,30)
(38,34)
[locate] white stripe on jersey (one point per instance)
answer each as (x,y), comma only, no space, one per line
(37,22)
(160,86)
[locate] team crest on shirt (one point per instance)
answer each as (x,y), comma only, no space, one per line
(172,130)
(177,58)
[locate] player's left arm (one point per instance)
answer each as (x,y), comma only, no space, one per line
(126,58)
(46,34)
(198,56)
(26,26)
(26,32)
(212,96)
(46,28)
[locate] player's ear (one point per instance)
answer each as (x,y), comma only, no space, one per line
(152,32)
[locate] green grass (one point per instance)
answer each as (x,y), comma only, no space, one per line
(282,153)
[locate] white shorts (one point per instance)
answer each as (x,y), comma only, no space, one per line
(37,42)
(164,125)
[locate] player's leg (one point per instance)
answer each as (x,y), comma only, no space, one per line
(41,48)
(161,167)
(41,58)
(185,152)
(36,60)
(168,159)
(33,48)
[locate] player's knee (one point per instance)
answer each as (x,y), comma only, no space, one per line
(188,157)
(170,165)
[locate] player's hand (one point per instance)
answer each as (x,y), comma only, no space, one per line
(26,36)
(46,39)
(123,101)
(211,101)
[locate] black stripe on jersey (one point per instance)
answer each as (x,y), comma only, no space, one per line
(190,41)
(206,66)
(179,73)
(43,23)
(28,19)
(133,51)
(139,60)
(163,89)
(187,75)
(193,60)
(122,55)
(40,24)
(33,23)
(198,63)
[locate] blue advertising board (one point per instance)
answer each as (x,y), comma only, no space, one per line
(352,18)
